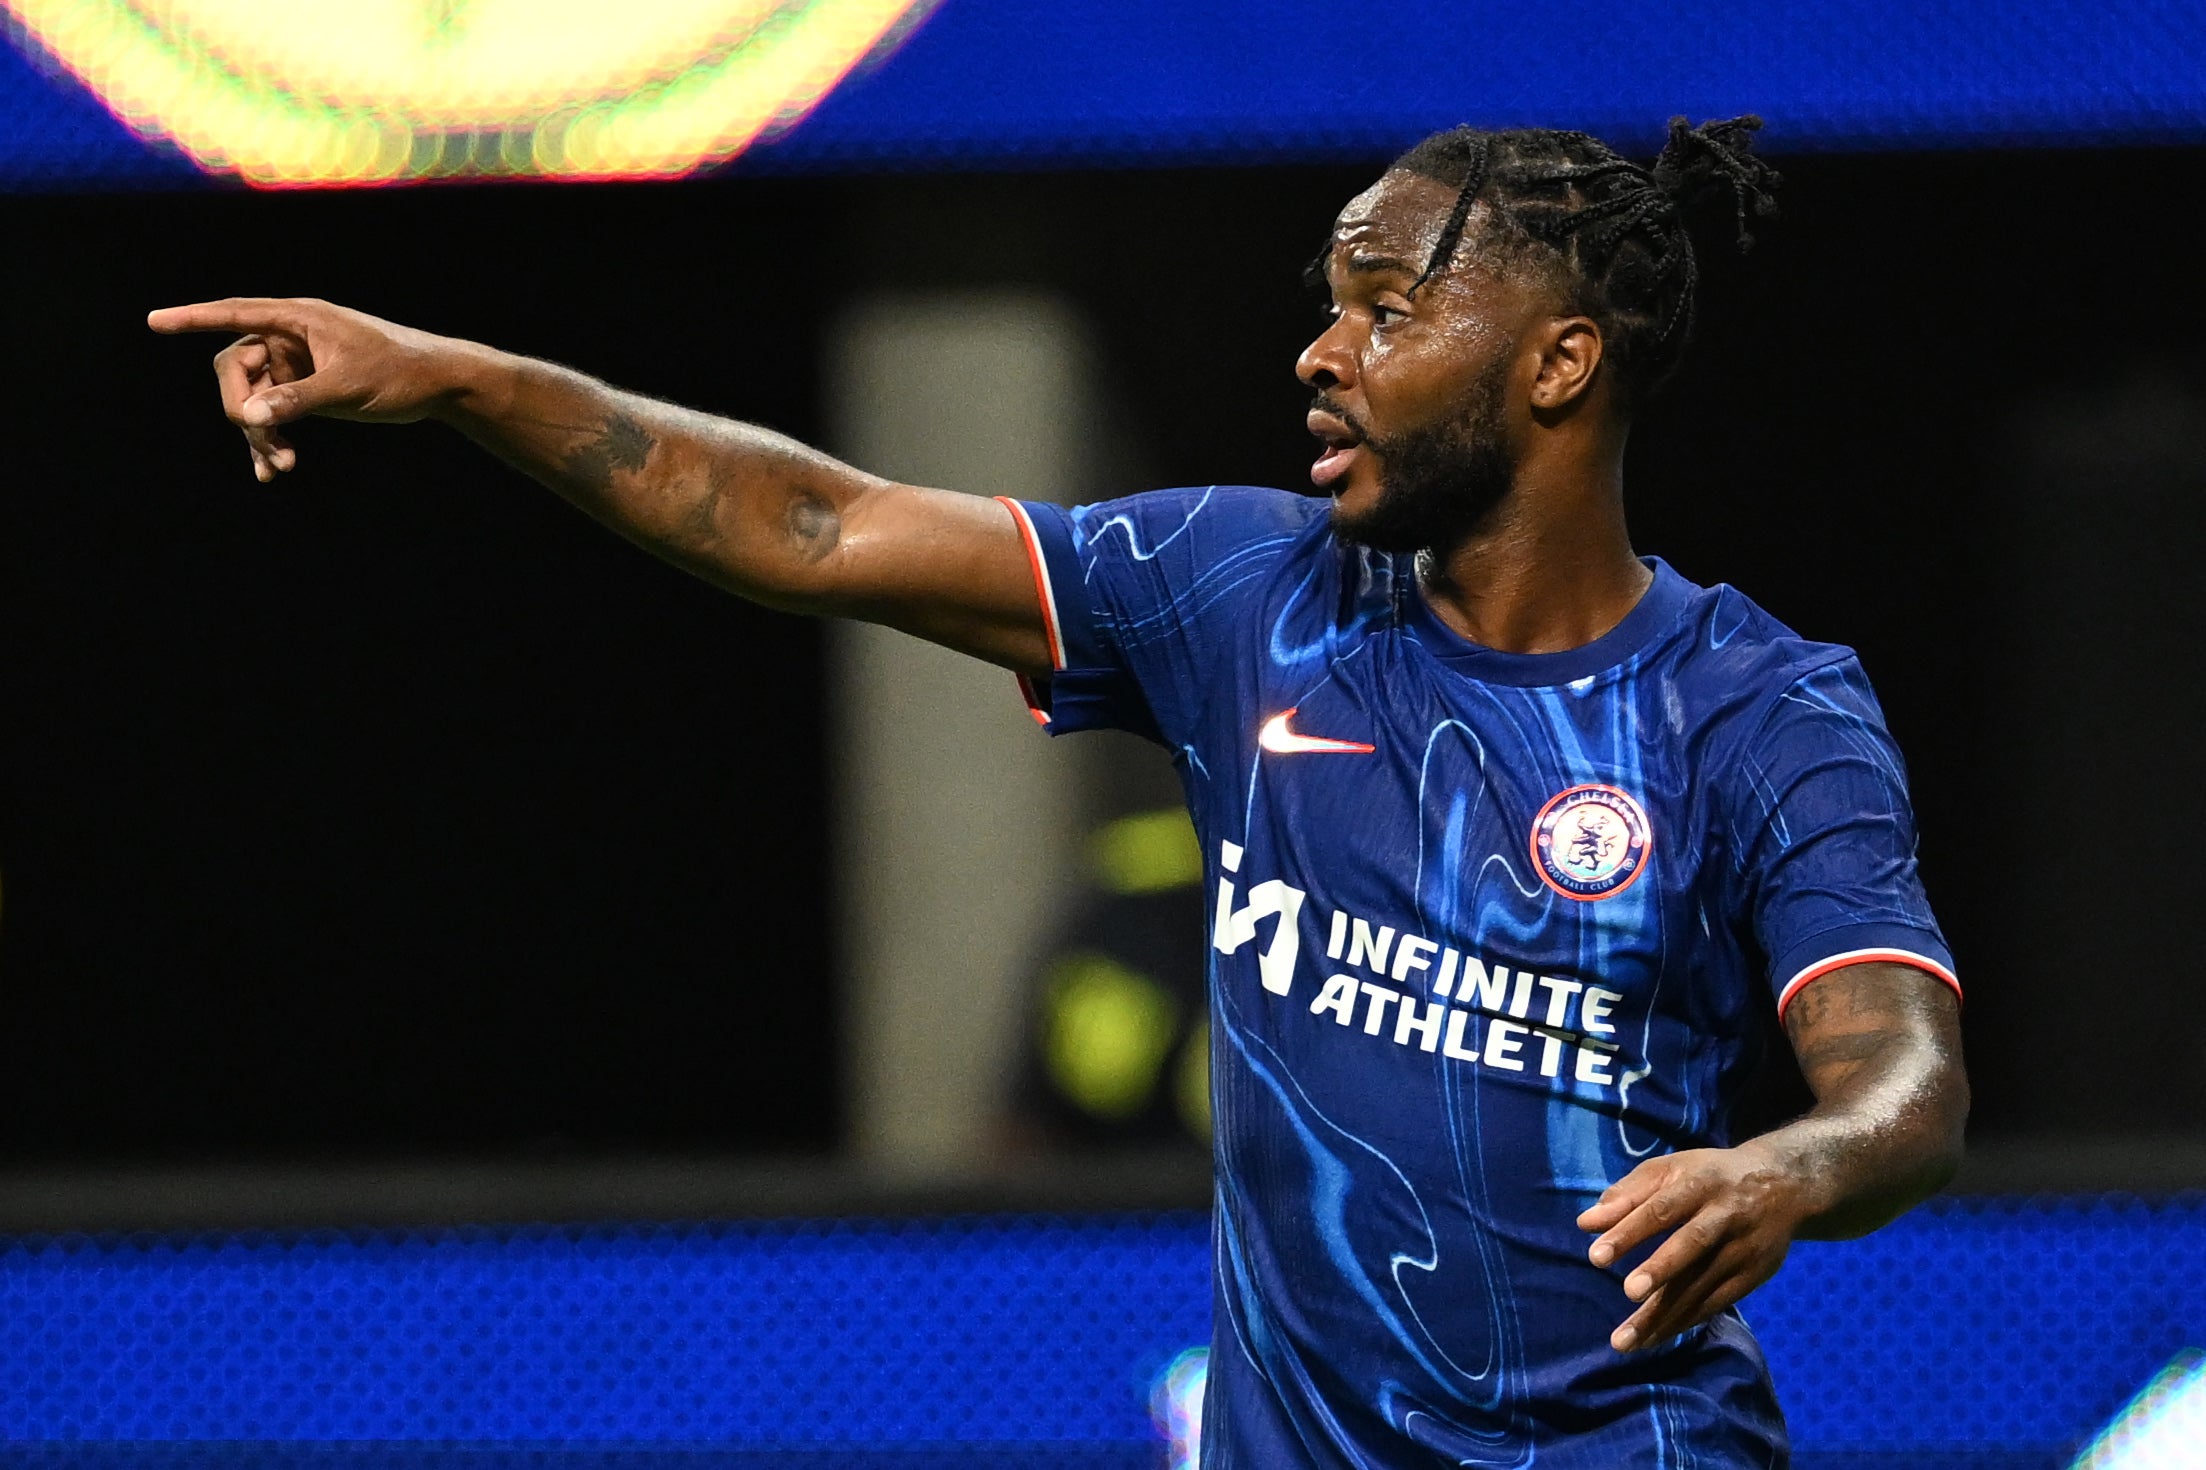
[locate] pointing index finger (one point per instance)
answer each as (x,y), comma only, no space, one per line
(235,314)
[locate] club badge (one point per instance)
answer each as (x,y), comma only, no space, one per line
(1591,841)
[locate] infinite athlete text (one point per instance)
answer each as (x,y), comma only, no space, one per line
(1478,1010)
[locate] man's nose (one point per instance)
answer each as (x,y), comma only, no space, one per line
(1326,363)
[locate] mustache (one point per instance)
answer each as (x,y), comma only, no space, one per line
(1325,403)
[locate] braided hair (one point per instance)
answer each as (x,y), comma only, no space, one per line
(1613,234)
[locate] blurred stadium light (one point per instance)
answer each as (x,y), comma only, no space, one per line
(1176,1406)
(2163,1428)
(342,92)
(1117,1045)
(363,91)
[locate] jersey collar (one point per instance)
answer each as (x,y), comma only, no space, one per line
(1653,615)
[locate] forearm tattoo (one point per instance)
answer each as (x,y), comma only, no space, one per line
(811,523)
(620,443)
(707,481)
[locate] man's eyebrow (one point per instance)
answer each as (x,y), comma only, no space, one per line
(1373,264)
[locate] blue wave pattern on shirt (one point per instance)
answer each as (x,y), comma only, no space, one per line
(1434,1041)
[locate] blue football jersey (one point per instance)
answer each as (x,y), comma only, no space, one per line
(1488,929)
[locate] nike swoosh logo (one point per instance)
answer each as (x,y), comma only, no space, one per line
(1278,739)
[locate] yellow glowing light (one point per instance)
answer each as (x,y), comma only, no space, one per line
(358,91)
(1109,1029)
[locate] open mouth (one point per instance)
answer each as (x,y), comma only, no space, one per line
(1340,446)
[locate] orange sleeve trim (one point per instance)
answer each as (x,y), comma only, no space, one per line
(1836,962)
(1033,700)
(1048,594)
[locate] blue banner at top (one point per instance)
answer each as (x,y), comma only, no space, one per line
(107,93)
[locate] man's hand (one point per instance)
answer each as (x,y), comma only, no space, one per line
(301,357)
(1730,1214)
(1880,1046)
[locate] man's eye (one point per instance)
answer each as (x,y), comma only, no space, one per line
(1382,315)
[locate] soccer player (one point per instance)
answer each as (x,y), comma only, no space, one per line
(1517,842)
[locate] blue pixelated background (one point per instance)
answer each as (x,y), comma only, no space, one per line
(1981,1333)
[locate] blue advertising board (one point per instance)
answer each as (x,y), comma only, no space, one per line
(1979,1332)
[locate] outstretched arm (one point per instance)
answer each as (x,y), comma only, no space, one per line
(748,509)
(1880,1045)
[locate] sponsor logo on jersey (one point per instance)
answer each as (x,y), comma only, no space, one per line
(1591,841)
(1424,992)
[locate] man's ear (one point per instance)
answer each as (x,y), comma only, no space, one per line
(1570,355)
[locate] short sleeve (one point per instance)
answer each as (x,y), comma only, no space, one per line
(1828,838)
(1144,596)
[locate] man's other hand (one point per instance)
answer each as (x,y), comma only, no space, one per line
(1730,1214)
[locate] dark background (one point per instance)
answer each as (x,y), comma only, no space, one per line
(396,810)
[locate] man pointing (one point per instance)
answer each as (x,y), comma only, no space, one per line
(1516,840)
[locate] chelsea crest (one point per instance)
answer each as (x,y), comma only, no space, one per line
(1591,841)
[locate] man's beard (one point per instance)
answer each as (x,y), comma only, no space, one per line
(1438,484)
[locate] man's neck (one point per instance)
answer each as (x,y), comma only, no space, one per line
(1551,570)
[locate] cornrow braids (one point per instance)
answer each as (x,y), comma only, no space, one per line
(1615,235)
